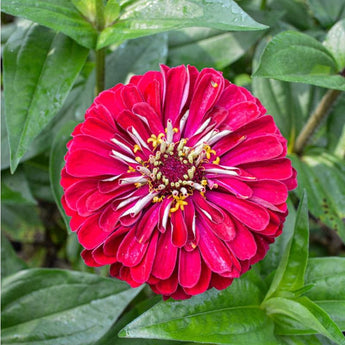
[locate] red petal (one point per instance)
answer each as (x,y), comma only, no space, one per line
(252,215)
(112,243)
(213,250)
(88,258)
(98,129)
(130,251)
(178,229)
(147,223)
(166,255)
(219,282)
(141,272)
(100,257)
(253,150)
(272,191)
(231,95)
(111,99)
(189,268)
(203,282)
(234,186)
(125,274)
(209,86)
(145,111)
(177,86)
(243,245)
(240,114)
(168,286)
(90,235)
(130,96)
(77,190)
(84,163)
(278,169)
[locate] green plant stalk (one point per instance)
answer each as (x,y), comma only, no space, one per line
(100,54)
(319,114)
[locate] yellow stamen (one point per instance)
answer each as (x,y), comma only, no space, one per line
(216,161)
(156,140)
(175,130)
(136,148)
(204,182)
(208,151)
(214,84)
(138,159)
(130,169)
(180,203)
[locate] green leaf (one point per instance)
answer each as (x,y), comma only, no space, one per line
(15,189)
(10,262)
(336,128)
(231,316)
(334,42)
(289,276)
(87,8)
(40,67)
(303,340)
(328,278)
(144,17)
(326,14)
(51,306)
(278,248)
(60,15)
(296,57)
(135,57)
(111,12)
(325,201)
(56,164)
(304,311)
(209,48)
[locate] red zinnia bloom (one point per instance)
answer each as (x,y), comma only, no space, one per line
(178,180)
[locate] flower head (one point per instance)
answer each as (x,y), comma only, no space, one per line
(178,180)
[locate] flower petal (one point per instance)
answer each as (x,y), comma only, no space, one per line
(167,254)
(189,268)
(252,215)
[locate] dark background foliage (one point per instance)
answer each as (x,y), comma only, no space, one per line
(54,53)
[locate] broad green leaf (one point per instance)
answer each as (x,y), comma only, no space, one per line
(56,164)
(135,57)
(51,306)
(328,278)
(60,15)
(323,176)
(15,189)
(336,128)
(289,276)
(231,316)
(296,57)
(146,17)
(334,42)
(307,313)
(327,13)
(208,48)
(40,67)
(112,338)
(304,340)
(10,262)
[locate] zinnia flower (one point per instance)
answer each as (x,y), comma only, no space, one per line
(178,180)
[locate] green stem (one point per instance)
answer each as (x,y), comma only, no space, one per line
(319,114)
(263,5)
(100,54)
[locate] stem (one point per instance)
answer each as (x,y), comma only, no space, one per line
(263,5)
(319,114)
(100,54)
